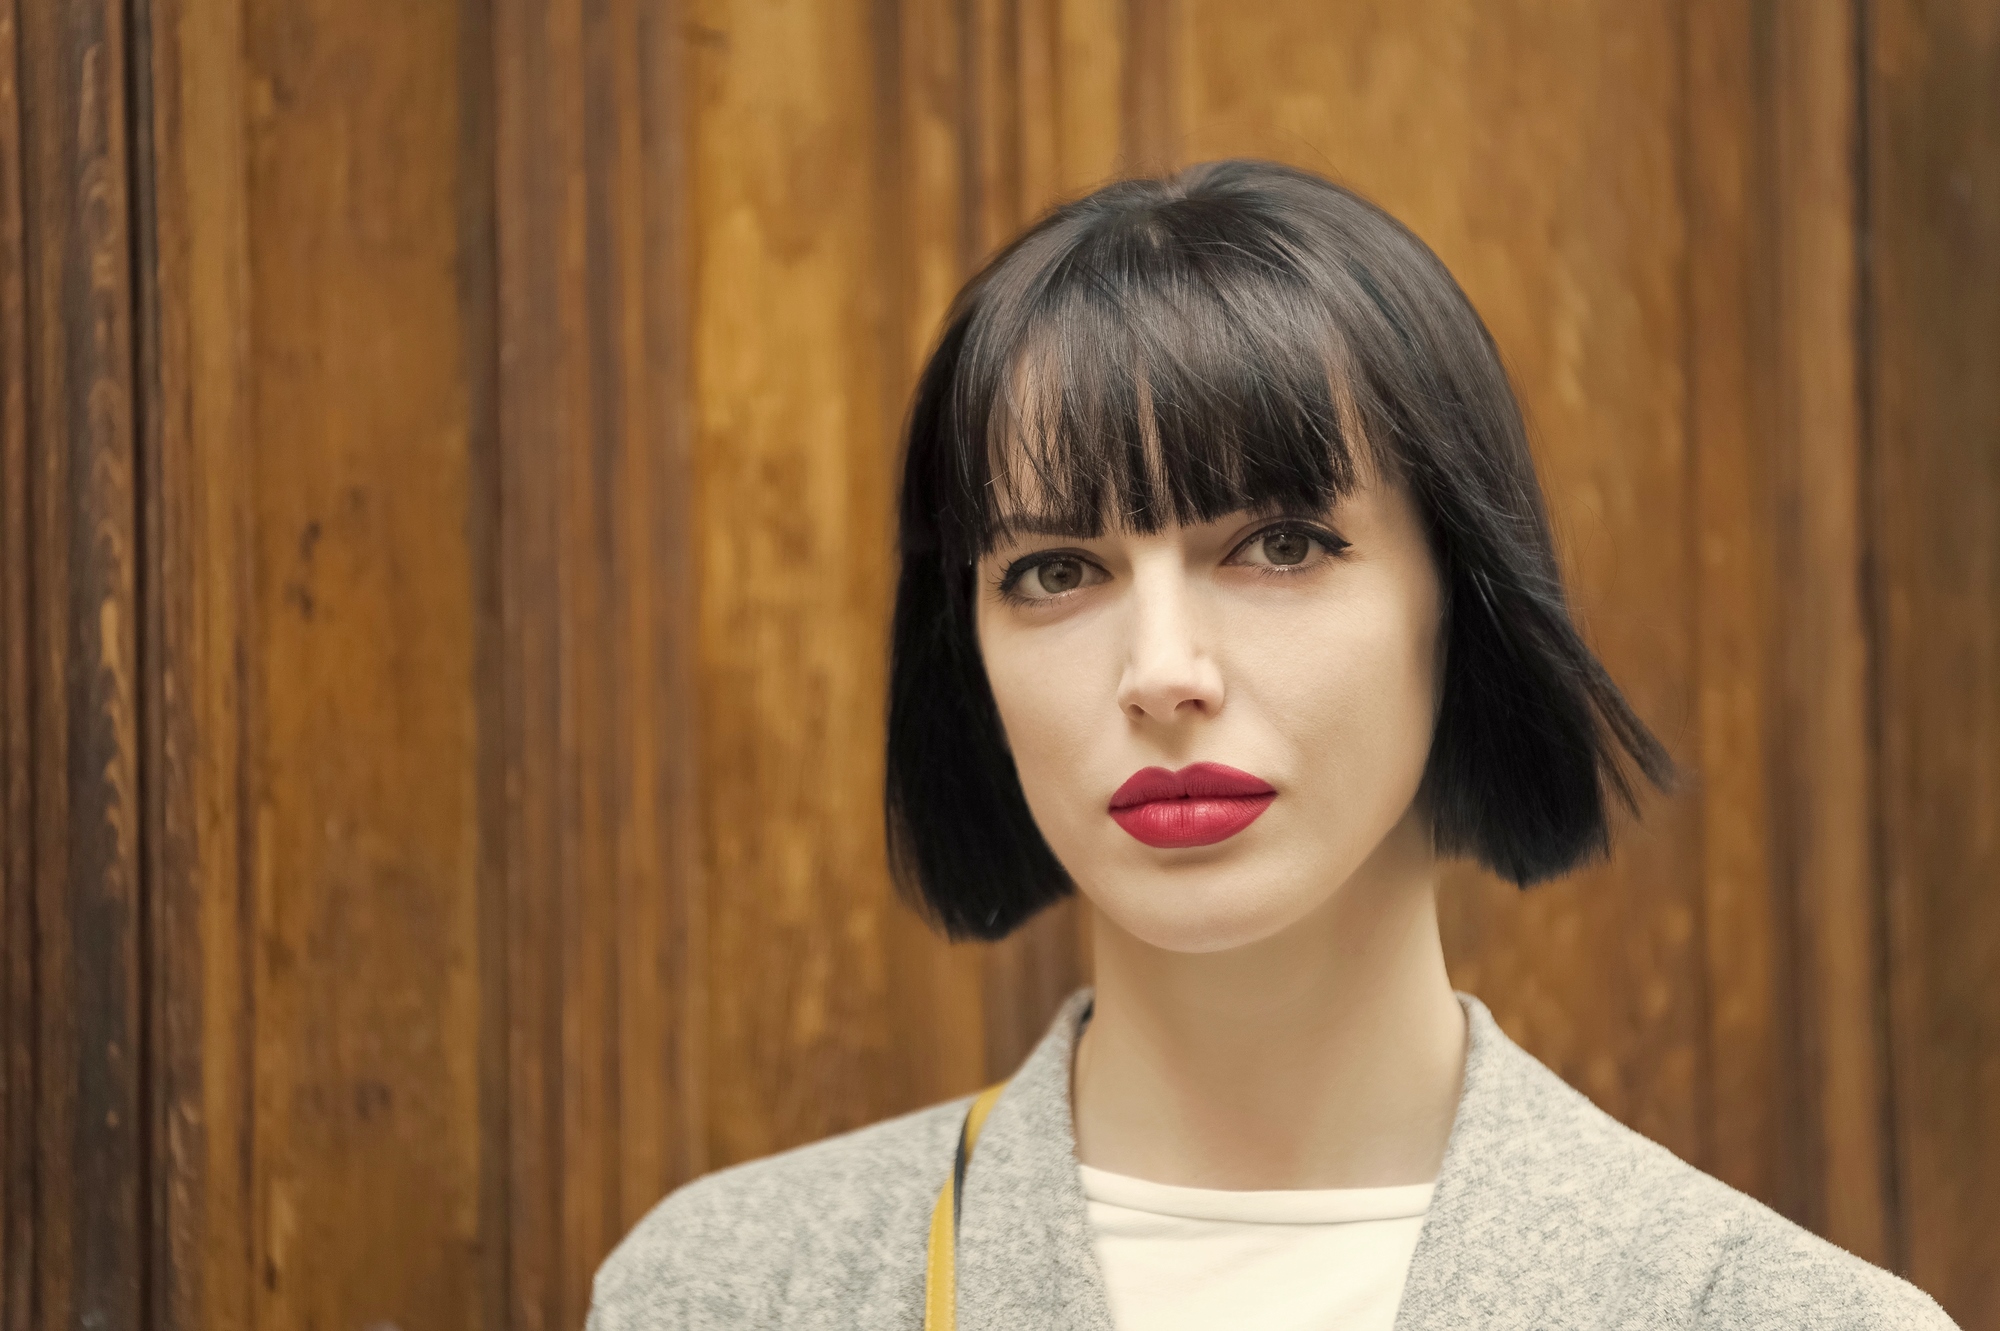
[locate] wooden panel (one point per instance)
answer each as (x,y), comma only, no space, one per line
(370,338)
(194,448)
(599,836)
(85,932)
(1752,1098)
(1795,1057)
(1823,818)
(1934,337)
(789,329)
(19,1252)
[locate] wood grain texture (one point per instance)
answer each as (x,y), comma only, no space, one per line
(19,1252)
(790,338)
(194,448)
(88,1046)
(363,665)
(1793,942)
(1752,1094)
(1824,816)
(1933,210)
(599,829)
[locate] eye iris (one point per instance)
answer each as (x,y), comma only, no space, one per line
(1286,547)
(1060,575)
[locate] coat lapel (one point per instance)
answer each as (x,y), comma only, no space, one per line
(1493,1250)
(1507,1231)
(1025,1257)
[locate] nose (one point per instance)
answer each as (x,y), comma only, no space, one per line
(1169,675)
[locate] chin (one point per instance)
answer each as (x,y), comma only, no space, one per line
(1200,912)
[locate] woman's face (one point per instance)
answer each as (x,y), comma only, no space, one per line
(1217,725)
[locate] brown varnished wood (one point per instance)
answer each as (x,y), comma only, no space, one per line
(793,341)
(194,378)
(599,847)
(1752,1096)
(363,655)
(663,1113)
(87,930)
(1933,482)
(1825,814)
(19,1252)
(1153,94)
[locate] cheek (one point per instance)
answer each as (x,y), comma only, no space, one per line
(1046,686)
(1351,689)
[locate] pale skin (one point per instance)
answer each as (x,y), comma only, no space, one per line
(1272,1011)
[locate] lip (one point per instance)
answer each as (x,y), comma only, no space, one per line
(1199,805)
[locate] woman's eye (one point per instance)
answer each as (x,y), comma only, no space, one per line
(1283,547)
(1050,577)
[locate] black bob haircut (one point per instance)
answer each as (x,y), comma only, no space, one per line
(1178,349)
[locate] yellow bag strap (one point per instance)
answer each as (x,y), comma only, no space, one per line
(941,1269)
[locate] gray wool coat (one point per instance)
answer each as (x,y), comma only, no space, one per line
(1548,1213)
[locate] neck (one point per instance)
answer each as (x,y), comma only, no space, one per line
(1328,1055)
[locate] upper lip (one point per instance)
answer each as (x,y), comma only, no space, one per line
(1195,781)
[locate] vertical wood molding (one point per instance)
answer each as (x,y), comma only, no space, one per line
(1790,888)
(1752,1090)
(90,1131)
(1933,506)
(19,1165)
(1827,816)
(194,384)
(603,981)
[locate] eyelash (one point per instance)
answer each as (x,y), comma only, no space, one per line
(1319,536)
(1011,576)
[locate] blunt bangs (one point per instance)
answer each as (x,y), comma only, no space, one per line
(1239,336)
(1150,375)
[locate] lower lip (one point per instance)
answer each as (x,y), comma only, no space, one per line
(1177,824)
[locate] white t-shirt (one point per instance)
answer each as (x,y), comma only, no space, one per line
(1202,1259)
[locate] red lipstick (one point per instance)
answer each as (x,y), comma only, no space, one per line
(1199,805)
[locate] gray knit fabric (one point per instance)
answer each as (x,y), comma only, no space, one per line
(1548,1213)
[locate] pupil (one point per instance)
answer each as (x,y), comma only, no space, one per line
(1285,547)
(1060,575)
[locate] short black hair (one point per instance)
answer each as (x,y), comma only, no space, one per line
(1177,349)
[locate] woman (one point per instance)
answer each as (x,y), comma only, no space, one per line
(1228,601)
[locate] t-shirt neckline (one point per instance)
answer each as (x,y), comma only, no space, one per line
(1289,1206)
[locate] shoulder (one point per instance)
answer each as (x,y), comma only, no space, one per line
(822,1235)
(1643,1219)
